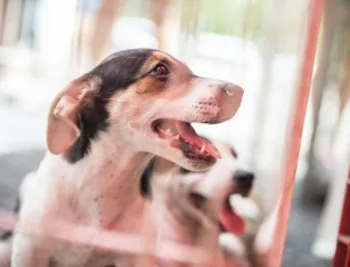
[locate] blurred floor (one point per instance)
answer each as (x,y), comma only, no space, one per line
(13,167)
(302,230)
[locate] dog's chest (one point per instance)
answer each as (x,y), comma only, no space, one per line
(99,198)
(76,255)
(99,213)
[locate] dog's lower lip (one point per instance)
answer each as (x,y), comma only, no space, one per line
(182,136)
(191,153)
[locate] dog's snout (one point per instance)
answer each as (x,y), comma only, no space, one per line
(244,179)
(232,89)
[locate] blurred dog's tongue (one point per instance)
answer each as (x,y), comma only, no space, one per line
(231,221)
(187,133)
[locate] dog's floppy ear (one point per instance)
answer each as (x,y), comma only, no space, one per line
(62,127)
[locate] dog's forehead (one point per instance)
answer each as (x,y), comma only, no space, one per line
(147,56)
(120,69)
(131,55)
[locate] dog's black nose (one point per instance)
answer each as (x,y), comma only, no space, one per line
(244,179)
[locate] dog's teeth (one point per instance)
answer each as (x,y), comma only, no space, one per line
(177,137)
(168,132)
(202,149)
(165,132)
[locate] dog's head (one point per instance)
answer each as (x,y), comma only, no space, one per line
(145,99)
(208,192)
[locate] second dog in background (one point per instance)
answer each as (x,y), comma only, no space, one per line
(194,208)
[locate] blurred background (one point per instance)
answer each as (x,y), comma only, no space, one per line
(255,43)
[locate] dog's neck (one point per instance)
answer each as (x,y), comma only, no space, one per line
(105,182)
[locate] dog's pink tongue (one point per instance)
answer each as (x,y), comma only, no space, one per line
(189,134)
(231,221)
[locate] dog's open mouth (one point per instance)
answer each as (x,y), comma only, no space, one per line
(182,136)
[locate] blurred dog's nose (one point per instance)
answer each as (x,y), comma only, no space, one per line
(232,89)
(244,179)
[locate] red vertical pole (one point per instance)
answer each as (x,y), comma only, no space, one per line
(274,258)
(342,252)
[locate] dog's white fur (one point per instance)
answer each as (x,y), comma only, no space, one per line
(102,190)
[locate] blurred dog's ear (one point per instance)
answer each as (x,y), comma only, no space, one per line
(62,128)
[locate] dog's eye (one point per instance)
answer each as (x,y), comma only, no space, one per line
(234,153)
(184,171)
(160,70)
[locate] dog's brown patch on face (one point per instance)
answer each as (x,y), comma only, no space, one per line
(150,86)
(176,81)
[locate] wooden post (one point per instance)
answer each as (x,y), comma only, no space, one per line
(275,255)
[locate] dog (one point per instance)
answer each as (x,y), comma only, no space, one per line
(102,131)
(193,208)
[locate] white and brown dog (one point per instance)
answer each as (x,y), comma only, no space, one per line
(194,208)
(103,129)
